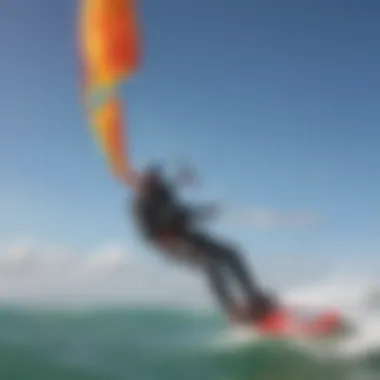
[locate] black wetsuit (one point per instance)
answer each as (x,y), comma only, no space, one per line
(161,216)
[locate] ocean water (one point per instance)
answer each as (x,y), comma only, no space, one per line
(39,341)
(154,344)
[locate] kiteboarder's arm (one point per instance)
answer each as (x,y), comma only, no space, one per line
(207,211)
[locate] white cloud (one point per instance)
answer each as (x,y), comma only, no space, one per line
(262,218)
(32,274)
(45,275)
(39,274)
(55,277)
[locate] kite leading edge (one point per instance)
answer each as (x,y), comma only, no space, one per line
(109,49)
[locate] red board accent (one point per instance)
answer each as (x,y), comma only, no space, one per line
(284,322)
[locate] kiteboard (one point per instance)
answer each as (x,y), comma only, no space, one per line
(284,323)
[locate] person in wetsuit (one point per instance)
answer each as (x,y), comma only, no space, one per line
(172,227)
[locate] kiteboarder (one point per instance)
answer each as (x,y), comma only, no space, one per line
(172,227)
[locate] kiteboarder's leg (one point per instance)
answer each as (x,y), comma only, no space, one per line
(219,259)
(220,289)
(257,305)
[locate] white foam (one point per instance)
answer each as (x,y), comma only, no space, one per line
(233,338)
(357,299)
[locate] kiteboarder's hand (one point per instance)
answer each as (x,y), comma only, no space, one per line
(208,211)
(132,179)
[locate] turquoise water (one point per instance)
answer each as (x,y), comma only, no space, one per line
(149,344)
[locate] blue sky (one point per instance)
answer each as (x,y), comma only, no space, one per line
(275,103)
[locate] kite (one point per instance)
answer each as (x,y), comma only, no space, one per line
(109,50)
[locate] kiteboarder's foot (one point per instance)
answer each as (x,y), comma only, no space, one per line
(263,306)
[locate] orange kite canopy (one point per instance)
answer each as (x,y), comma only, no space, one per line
(109,48)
